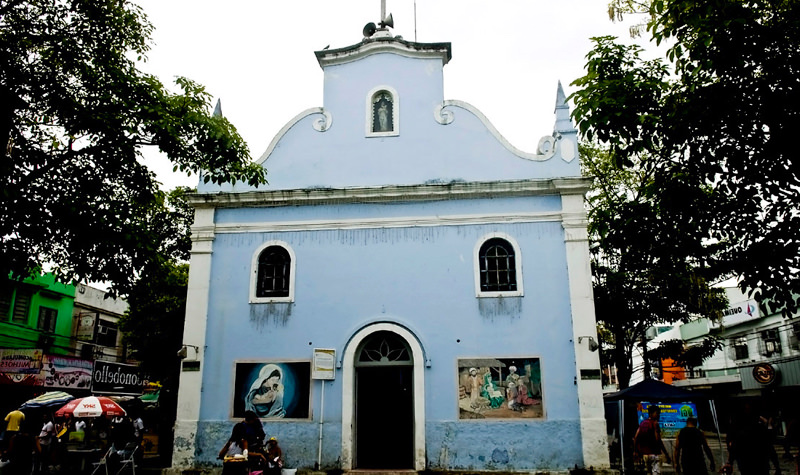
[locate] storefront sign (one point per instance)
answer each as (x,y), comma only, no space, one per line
(26,361)
(765,373)
(737,313)
(324,366)
(116,378)
(65,372)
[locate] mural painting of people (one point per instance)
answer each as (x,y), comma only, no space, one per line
(272,390)
(500,388)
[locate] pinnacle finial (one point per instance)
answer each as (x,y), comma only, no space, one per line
(563,121)
(218,109)
(561,98)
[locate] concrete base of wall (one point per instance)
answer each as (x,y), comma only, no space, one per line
(218,471)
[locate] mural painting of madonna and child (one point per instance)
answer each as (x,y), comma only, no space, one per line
(499,388)
(274,390)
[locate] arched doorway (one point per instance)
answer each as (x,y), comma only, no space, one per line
(384,403)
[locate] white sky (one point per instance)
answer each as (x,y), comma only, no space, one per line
(257,56)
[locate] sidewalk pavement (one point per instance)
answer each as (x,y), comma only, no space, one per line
(788,465)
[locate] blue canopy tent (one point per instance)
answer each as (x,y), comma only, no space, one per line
(52,399)
(651,390)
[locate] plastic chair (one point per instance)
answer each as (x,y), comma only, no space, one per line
(103,462)
(126,458)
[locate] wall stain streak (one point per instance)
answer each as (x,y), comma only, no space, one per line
(262,314)
(500,307)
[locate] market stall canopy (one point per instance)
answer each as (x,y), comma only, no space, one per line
(652,390)
(48,399)
(92,406)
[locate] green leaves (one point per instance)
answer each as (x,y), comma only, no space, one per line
(721,125)
(710,131)
(75,113)
(648,265)
(153,323)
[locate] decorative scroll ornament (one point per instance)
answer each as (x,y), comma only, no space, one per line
(442,116)
(323,123)
(547,144)
(320,124)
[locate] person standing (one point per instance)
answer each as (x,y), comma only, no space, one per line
(647,441)
(46,438)
(750,446)
(14,420)
(689,447)
(22,450)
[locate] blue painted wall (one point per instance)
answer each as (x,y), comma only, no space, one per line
(423,279)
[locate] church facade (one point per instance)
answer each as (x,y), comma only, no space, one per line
(410,291)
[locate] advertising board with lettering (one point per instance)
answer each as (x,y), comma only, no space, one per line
(673,416)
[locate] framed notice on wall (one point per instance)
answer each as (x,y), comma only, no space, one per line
(324,364)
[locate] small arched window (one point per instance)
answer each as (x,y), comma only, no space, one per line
(497,267)
(273,273)
(382,112)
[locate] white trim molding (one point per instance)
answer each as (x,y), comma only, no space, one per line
(517,269)
(587,362)
(194,334)
(254,273)
(322,124)
(544,151)
(348,391)
(368,132)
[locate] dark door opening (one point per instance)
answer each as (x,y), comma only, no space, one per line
(384,417)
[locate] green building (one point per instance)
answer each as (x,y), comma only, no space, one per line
(37,313)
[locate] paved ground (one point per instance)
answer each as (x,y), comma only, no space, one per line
(788,465)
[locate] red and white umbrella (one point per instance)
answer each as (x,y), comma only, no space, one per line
(92,406)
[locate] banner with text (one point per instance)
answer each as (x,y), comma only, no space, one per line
(15,360)
(65,372)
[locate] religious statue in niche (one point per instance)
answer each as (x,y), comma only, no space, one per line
(382,112)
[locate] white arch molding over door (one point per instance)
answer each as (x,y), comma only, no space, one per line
(348,388)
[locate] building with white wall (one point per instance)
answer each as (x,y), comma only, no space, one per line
(410,291)
(96,324)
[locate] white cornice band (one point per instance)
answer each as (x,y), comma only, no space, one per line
(384,45)
(392,193)
(384,223)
